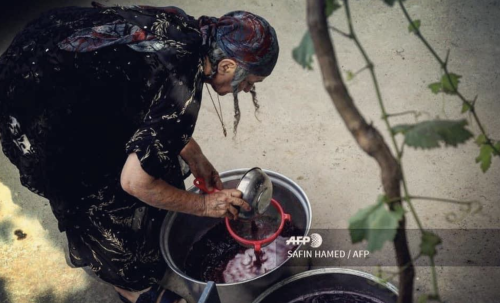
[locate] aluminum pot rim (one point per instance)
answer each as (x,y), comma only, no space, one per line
(164,236)
(325,271)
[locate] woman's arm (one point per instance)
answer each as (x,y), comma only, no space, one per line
(158,193)
(200,166)
(191,151)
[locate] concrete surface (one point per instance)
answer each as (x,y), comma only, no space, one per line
(302,137)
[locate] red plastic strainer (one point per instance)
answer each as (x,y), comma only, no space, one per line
(257,244)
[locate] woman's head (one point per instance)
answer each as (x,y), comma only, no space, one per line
(241,45)
(243,50)
(230,77)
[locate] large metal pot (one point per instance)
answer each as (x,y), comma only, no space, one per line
(181,231)
(318,281)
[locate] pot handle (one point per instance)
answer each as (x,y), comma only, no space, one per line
(210,294)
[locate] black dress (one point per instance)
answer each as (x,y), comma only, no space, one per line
(80,89)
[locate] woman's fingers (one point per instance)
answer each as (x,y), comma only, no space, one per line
(233,193)
(208,182)
(215,180)
(233,211)
(240,202)
(225,204)
(218,182)
(235,199)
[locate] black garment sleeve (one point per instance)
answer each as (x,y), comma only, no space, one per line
(167,126)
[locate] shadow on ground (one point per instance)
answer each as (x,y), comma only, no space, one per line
(50,297)
(33,251)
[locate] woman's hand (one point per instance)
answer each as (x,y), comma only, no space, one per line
(200,166)
(222,204)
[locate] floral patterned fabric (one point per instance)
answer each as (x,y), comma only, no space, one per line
(80,89)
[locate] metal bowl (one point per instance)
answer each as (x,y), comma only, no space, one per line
(257,190)
(328,280)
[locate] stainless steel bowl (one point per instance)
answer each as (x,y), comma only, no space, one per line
(257,190)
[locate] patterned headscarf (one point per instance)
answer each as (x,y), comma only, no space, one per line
(245,37)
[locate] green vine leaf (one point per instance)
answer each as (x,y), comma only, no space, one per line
(429,243)
(376,224)
(429,134)
(445,86)
(414,26)
(331,6)
(435,87)
(481,139)
(465,108)
(303,53)
(450,87)
(486,153)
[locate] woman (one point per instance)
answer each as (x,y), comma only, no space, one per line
(97,109)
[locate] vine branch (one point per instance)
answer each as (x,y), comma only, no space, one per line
(444,66)
(367,136)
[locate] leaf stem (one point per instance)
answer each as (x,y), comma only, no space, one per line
(360,70)
(340,32)
(444,66)
(434,280)
(408,112)
(400,270)
(447,57)
(444,200)
(401,150)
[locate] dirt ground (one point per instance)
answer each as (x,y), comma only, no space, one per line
(301,136)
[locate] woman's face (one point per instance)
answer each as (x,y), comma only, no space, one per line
(221,82)
(247,83)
